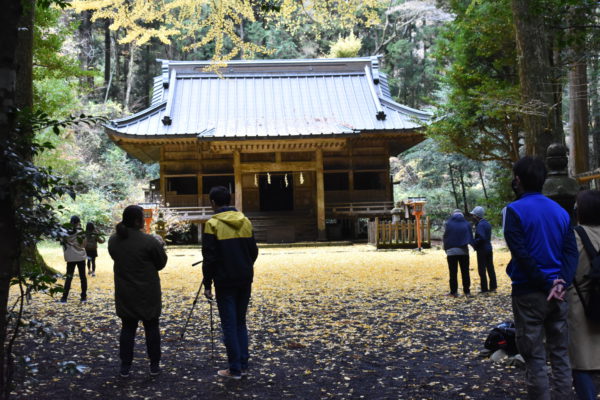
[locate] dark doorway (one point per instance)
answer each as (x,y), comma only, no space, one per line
(277,195)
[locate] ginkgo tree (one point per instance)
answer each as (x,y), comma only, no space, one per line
(218,22)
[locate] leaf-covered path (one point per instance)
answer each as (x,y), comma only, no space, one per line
(325,322)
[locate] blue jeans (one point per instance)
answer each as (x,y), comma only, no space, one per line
(233,304)
(584,385)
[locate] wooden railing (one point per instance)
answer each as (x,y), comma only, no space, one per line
(360,208)
(402,234)
(191,213)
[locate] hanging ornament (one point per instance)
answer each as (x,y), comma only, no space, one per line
(286,181)
(301,178)
(255,180)
(268,178)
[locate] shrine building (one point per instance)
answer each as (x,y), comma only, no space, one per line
(304,145)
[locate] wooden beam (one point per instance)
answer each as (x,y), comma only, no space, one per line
(291,166)
(237,174)
(322,234)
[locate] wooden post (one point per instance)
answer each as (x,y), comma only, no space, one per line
(199,185)
(376,231)
(322,234)
(237,174)
(200,190)
(163,180)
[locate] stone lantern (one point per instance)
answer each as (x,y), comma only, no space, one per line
(397,212)
(559,186)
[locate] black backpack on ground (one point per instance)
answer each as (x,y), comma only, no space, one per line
(591,303)
(502,337)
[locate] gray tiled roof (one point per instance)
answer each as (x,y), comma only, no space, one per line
(265,98)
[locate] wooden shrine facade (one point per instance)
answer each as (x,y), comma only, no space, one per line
(281,135)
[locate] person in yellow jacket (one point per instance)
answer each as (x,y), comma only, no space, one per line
(229,251)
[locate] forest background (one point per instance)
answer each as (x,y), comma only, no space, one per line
(457,59)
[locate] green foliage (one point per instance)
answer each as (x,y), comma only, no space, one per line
(477,112)
(91,206)
(411,67)
(345,47)
(55,72)
(424,171)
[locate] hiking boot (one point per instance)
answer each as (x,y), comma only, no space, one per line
(451,294)
(226,373)
(62,300)
(93,274)
(124,372)
(83,299)
(154,369)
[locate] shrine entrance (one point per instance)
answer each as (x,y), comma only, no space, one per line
(276,192)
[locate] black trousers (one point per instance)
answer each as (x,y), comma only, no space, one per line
(70,271)
(91,264)
(127,339)
(485,267)
(453,263)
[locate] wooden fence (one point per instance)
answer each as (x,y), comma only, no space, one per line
(399,235)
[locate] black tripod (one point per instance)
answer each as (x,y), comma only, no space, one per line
(212,330)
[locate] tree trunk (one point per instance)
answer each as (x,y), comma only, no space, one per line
(483,185)
(9,24)
(595,109)
(461,175)
(107,46)
(578,115)
(84,39)
(541,117)
(451,169)
(130,75)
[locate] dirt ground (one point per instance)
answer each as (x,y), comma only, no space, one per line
(325,323)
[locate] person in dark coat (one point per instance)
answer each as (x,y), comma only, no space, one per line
(92,238)
(229,251)
(138,258)
(457,238)
(483,247)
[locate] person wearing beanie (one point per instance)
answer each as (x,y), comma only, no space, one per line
(457,238)
(482,243)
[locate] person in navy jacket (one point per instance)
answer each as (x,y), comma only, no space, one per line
(544,259)
(483,246)
(457,238)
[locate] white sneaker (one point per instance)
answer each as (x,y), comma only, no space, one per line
(226,373)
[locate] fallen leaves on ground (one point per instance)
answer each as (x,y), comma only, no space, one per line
(325,322)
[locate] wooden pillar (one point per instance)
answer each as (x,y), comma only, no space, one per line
(322,234)
(389,185)
(199,171)
(200,190)
(350,171)
(163,180)
(237,175)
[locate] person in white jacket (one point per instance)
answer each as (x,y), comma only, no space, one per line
(75,256)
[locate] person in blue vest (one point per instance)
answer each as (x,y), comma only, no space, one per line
(544,259)
(457,238)
(482,243)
